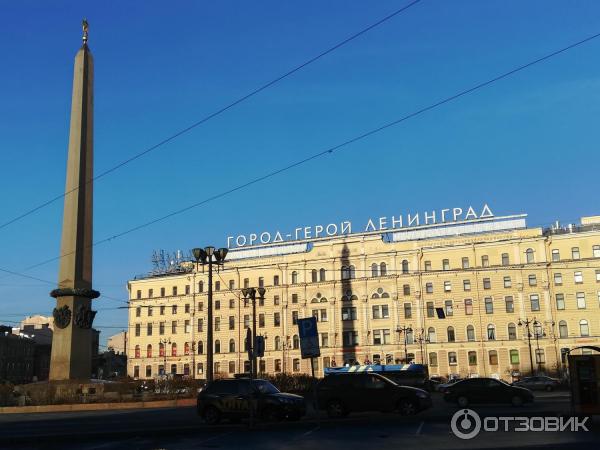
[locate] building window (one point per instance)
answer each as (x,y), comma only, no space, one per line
(430,309)
(218,346)
(247,321)
(505,259)
(231,303)
(466,285)
(514,356)
(540,357)
(349,313)
(445,264)
(493,355)
(429,288)
(186,348)
(276,280)
(277,343)
(201,286)
(173,349)
(149,311)
(465,263)
(138,312)
(597,275)
(149,330)
(161,349)
(294,298)
(596,251)
(174,291)
(382,269)
(405,266)
(200,368)
(374,270)
(137,351)
(406,289)
(555,255)
(296,365)
(148,371)
(174,309)
(558,279)
(232,322)
(510,304)
(161,328)
(427,266)
(507,282)
(200,347)
(150,293)
(277,365)
(380,312)
(247,282)
(578,277)
(407,310)
(451,336)
(535,302)
(489,305)
(139,294)
(580,300)
(431,334)
(350,338)
(491,332)
(217,285)
(485,261)
(162,291)
(452,358)
(560,301)
(217,324)
(313,275)
(472,358)
(381,337)
(217,304)
(470,333)
(529,257)
(584,328)
(231,285)
(468,306)
(200,324)
(231,345)
(174,327)
(487,284)
(276,319)
(575,253)
(447,286)
(532,280)
(563,331)
(294,317)
(324,340)
(136,371)
(433,361)
(512,332)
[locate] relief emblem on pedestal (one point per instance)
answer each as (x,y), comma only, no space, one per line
(84,316)
(62,316)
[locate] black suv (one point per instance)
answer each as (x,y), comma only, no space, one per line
(341,394)
(230,399)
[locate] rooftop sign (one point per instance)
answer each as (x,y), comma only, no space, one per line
(443,216)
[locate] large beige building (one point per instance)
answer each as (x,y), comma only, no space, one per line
(456,295)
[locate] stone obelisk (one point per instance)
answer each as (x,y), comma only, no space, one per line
(73,316)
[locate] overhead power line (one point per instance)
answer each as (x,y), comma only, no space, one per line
(332,149)
(214,114)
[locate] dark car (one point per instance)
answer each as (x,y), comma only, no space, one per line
(342,394)
(231,399)
(486,390)
(538,383)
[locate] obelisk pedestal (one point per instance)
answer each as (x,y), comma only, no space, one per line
(73,317)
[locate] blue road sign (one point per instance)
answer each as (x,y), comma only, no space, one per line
(309,337)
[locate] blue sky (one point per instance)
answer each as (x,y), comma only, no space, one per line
(525,144)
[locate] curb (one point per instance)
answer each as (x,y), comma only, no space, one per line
(98,406)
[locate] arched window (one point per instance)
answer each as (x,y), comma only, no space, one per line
(277,343)
(584,328)
(451,336)
(374,270)
(410,337)
(149,351)
(491,332)
(529,257)
(137,351)
(173,349)
(314,275)
(200,347)
(217,346)
(512,331)
(382,269)
(433,361)
(352,272)
(294,277)
(322,275)
(563,331)
(161,349)
(231,345)
(405,266)
(201,286)
(345,272)
(470,333)
(186,348)
(431,334)
(296,342)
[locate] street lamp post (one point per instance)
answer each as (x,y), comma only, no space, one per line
(404,330)
(526,323)
(250,295)
(538,333)
(209,256)
(164,343)
(422,338)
